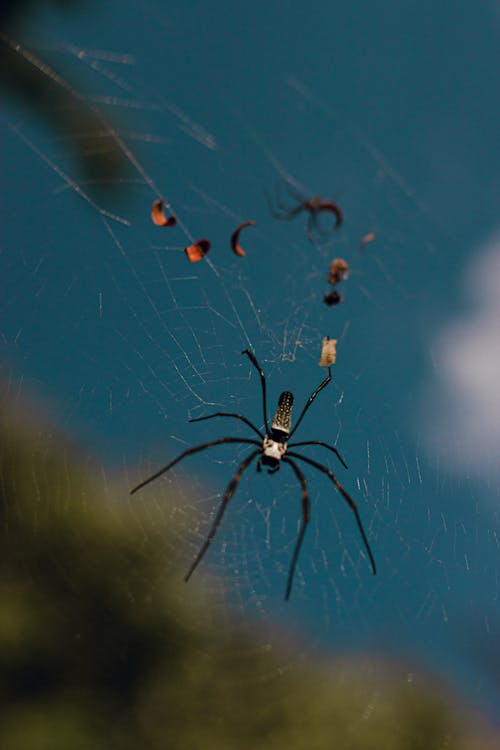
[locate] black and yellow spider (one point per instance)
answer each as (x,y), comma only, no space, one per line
(273,448)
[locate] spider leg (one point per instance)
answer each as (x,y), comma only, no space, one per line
(285,213)
(350,502)
(253,360)
(317,234)
(312,225)
(311,398)
(189,452)
(294,193)
(218,518)
(229,414)
(325,445)
(277,209)
(332,208)
(276,213)
(306,514)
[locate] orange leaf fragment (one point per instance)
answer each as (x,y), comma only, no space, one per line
(197,251)
(366,239)
(159,217)
(235,238)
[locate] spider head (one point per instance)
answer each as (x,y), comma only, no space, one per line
(272,453)
(283,418)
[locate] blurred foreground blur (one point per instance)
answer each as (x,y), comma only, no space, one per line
(42,86)
(103,646)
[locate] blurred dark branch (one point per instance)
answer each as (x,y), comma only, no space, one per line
(14,11)
(59,102)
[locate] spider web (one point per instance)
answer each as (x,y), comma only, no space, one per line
(126,340)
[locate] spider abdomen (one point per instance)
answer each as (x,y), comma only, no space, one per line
(282,421)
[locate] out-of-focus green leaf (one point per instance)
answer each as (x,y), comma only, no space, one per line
(103,646)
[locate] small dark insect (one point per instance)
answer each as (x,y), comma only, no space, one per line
(197,250)
(159,217)
(314,206)
(332,298)
(235,238)
(272,449)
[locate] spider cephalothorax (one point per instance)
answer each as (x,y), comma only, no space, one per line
(272,449)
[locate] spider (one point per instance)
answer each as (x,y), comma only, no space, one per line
(272,450)
(314,206)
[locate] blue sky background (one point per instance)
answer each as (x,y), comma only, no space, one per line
(389,108)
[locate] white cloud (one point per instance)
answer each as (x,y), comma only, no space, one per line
(462,405)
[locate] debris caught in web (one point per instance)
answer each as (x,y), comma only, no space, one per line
(338,271)
(314,207)
(328,352)
(159,217)
(235,238)
(366,240)
(197,250)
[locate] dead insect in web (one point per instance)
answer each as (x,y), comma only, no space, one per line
(272,449)
(332,298)
(338,271)
(235,238)
(328,352)
(197,250)
(314,207)
(159,217)
(366,240)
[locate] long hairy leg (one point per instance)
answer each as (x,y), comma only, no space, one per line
(229,414)
(350,502)
(283,211)
(251,356)
(218,518)
(189,452)
(313,228)
(306,514)
(311,398)
(325,445)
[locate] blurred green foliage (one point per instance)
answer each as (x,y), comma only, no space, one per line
(54,97)
(103,646)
